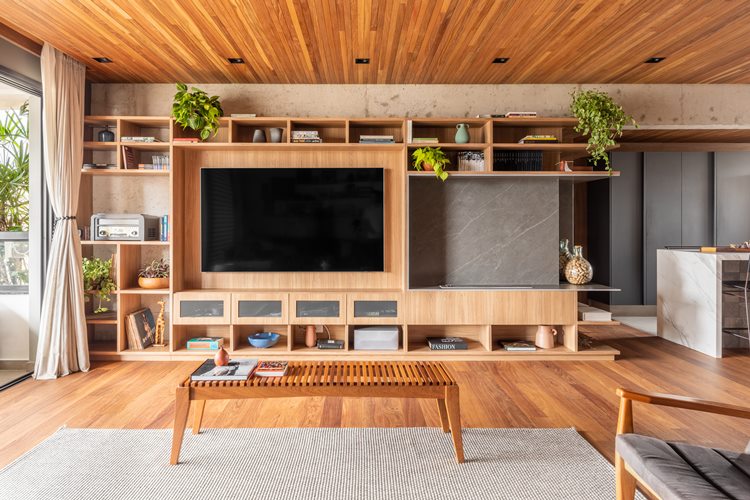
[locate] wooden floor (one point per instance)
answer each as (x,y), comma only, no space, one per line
(136,395)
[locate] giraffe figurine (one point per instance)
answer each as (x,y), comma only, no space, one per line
(160,325)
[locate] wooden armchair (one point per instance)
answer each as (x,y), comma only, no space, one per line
(673,470)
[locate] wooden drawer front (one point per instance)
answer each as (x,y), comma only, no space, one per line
(260,308)
(533,308)
(446,308)
(374,308)
(318,308)
(199,308)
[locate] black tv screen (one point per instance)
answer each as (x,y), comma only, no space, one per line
(291,219)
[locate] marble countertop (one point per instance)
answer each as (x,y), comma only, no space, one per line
(695,253)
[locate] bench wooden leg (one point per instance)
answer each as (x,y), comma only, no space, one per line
(443,415)
(199,405)
(454,418)
(182,405)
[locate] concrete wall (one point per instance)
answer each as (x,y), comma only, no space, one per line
(649,104)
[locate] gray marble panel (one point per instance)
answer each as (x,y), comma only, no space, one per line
(483,231)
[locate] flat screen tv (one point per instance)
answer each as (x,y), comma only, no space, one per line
(292,219)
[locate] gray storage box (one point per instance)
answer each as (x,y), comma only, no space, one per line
(376,338)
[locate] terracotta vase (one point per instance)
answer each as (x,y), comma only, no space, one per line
(311,338)
(545,337)
(222,357)
(152,283)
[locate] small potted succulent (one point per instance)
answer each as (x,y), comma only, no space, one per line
(428,158)
(154,275)
(97,281)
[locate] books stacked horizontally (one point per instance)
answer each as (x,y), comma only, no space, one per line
(139,138)
(271,369)
(588,313)
(236,370)
(539,139)
(186,139)
(429,140)
(376,139)
(140,328)
(306,136)
(205,343)
(518,345)
(520,114)
(99,166)
(447,343)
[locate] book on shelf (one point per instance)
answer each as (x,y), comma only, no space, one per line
(99,166)
(164,228)
(539,139)
(139,138)
(239,369)
(431,140)
(447,343)
(520,161)
(186,139)
(376,139)
(307,140)
(271,368)
(588,313)
(140,328)
(518,345)
(520,114)
(128,158)
(409,131)
(305,134)
(243,115)
(205,343)
(492,115)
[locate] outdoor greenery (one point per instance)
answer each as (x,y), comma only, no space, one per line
(97,280)
(14,169)
(431,158)
(159,268)
(601,119)
(197,111)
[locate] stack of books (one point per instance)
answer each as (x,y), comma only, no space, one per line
(99,166)
(139,138)
(447,343)
(430,140)
(205,343)
(526,161)
(186,139)
(140,328)
(538,139)
(236,370)
(271,368)
(518,345)
(520,114)
(306,136)
(376,139)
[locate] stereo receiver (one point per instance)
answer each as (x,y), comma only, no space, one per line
(124,227)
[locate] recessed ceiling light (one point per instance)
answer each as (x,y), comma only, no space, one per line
(362,60)
(500,60)
(654,60)
(236,60)
(102,59)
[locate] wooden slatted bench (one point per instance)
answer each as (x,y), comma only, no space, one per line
(383,379)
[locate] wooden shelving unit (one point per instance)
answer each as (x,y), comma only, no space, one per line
(233,146)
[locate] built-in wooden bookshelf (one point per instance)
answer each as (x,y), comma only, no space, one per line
(483,317)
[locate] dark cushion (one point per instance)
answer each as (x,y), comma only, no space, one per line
(682,471)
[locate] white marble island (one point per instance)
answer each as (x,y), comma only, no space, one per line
(691,308)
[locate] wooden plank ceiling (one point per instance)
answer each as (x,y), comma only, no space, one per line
(407,41)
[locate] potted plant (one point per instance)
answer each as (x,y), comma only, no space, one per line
(601,119)
(428,158)
(154,275)
(197,111)
(97,280)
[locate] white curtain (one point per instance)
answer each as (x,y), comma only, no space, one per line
(63,346)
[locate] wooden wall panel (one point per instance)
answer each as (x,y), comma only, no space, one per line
(188,228)
(447,308)
(407,41)
(532,308)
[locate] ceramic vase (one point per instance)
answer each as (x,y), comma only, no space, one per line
(564,257)
(106,135)
(153,283)
(222,357)
(311,338)
(276,134)
(259,135)
(545,337)
(462,133)
(578,271)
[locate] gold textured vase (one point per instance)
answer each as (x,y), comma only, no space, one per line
(578,271)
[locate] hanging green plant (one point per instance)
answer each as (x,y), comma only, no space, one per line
(197,111)
(599,118)
(433,159)
(97,280)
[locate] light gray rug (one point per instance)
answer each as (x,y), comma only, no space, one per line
(299,464)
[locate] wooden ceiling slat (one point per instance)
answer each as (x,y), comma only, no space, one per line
(407,41)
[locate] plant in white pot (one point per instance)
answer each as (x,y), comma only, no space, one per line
(154,275)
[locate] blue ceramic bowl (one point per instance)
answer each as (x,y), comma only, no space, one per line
(263,340)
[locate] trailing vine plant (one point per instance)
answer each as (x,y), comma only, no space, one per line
(433,159)
(97,280)
(197,111)
(601,119)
